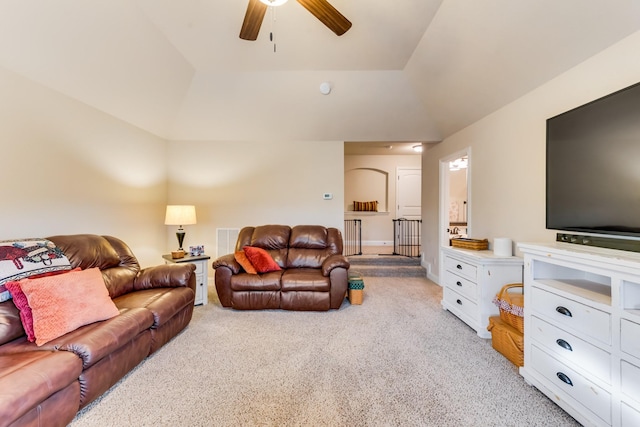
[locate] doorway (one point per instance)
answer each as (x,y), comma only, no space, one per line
(455,196)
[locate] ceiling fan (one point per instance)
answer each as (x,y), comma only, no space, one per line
(321,9)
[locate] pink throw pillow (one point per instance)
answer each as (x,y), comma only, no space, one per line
(21,302)
(60,304)
(260,259)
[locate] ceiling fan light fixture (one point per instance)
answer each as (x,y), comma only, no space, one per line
(274,2)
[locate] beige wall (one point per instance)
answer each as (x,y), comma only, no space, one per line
(508,152)
(68,168)
(235,184)
(377,228)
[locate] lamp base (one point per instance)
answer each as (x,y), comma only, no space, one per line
(177,254)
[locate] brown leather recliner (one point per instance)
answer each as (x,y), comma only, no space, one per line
(47,385)
(313,276)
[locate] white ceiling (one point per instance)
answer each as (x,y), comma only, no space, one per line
(408,70)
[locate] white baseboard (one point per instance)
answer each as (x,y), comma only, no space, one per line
(377,243)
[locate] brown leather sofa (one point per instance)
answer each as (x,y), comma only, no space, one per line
(313,276)
(47,385)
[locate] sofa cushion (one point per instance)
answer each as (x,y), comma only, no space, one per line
(308,237)
(27,379)
(28,257)
(92,343)
(163,303)
(62,303)
(260,259)
(242,259)
(10,324)
(111,255)
(305,279)
(263,282)
(308,247)
(271,236)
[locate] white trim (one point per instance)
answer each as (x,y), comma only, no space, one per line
(443,238)
(377,243)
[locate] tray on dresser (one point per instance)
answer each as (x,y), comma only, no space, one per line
(466,243)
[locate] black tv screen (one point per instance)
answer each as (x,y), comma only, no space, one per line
(593,166)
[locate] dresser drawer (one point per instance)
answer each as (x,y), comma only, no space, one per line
(461,268)
(464,286)
(596,399)
(629,417)
(567,313)
(578,352)
(629,337)
(199,267)
(461,303)
(630,380)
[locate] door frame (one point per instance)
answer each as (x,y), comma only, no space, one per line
(443,234)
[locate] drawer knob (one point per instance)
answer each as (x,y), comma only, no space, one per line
(564,378)
(459,267)
(459,283)
(562,343)
(459,302)
(564,311)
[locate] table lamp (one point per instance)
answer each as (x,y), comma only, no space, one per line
(180,215)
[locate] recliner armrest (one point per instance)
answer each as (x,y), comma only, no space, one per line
(334,261)
(166,276)
(228,261)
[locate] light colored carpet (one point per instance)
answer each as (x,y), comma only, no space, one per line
(396,360)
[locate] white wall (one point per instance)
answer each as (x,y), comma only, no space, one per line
(68,168)
(237,184)
(377,228)
(508,152)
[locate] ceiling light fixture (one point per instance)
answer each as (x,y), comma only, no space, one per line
(457,164)
(417,148)
(274,2)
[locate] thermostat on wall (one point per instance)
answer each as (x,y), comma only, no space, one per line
(327,196)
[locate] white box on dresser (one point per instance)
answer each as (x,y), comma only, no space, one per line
(582,330)
(471,279)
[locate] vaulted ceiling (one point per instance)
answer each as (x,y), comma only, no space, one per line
(408,70)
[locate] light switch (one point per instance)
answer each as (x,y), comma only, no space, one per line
(327,196)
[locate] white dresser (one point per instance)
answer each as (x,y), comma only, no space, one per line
(202,274)
(470,280)
(582,330)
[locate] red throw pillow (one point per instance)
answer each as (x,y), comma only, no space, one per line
(260,259)
(242,259)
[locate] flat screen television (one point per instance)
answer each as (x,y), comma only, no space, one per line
(593,166)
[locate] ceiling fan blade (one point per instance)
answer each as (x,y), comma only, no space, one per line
(328,15)
(253,20)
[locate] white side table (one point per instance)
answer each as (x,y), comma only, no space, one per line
(202,272)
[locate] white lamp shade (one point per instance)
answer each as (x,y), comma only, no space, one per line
(180,215)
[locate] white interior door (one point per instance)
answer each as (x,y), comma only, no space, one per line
(408,196)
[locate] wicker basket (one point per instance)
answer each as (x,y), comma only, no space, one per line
(511,306)
(356,288)
(507,340)
(474,244)
(355,296)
